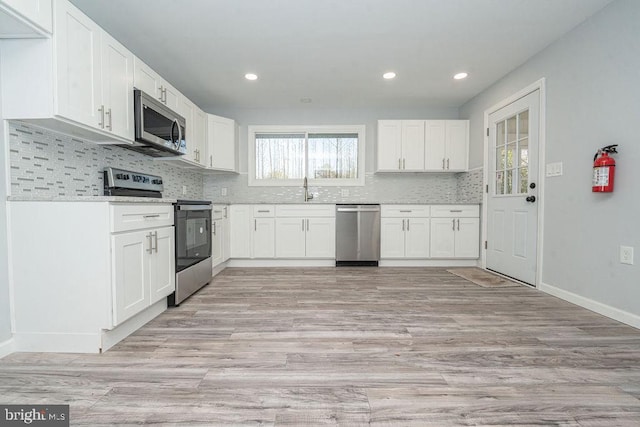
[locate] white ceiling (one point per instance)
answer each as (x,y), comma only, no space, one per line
(335,51)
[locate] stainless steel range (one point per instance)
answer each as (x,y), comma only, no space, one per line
(192,221)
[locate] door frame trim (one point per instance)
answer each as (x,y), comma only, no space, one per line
(538,85)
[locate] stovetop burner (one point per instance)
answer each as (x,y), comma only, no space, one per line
(120,182)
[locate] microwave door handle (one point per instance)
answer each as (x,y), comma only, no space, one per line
(180,136)
(175,142)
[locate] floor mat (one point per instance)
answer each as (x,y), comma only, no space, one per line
(482,277)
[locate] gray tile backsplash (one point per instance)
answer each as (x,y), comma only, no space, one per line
(47,163)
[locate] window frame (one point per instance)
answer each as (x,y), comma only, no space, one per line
(252,130)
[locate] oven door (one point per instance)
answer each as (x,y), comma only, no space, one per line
(193,234)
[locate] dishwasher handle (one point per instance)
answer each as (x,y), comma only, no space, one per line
(372,209)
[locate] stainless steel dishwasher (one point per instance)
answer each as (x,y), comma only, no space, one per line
(357,235)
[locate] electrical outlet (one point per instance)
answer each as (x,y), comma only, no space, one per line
(223,191)
(626,255)
(184,190)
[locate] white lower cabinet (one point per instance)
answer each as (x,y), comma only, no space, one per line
(305,231)
(263,241)
(404,231)
(143,272)
(455,231)
(110,274)
(219,235)
(252,231)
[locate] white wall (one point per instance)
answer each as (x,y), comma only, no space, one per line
(5,316)
(593,100)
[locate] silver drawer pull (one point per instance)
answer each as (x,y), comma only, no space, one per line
(263,211)
(151,216)
(409,211)
(455,210)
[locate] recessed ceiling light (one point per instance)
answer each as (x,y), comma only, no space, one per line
(305,100)
(251,76)
(390,75)
(460,76)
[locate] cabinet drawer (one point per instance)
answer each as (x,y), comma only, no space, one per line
(404,211)
(125,217)
(218,212)
(458,211)
(263,211)
(305,211)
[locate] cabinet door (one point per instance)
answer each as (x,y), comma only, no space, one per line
(162,272)
(186,109)
(130,273)
(321,237)
(442,237)
(435,156)
(417,238)
(171,96)
(77,41)
(389,145)
(413,145)
(216,242)
(37,11)
(467,238)
(457,145)
(221,143)
(241,228)
(392,237)
(199,132)
(290,237)
(145,79)
(263,238)
(117,87)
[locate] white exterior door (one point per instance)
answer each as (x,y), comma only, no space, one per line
(512,205)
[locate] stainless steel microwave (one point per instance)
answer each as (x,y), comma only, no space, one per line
(159,131)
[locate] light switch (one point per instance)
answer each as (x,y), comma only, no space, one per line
(554,169)
(223,191)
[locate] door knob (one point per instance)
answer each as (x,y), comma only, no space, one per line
(531,199)
(532,185)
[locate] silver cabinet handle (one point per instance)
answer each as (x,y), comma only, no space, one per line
(455,210)
(164,92)
(403,225)
(110,125)
(161,93)
(263,211)
(458,225)
(406,211)
(453,227)
(443,163)
(407,225)
(225,211)
(399,164)
(404,166)
(155,235)
(447,164)
(150,236)
(210,161)
(215,230)
(151,216)
(255,225)
(101,111)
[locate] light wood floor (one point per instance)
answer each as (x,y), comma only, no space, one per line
(349,346)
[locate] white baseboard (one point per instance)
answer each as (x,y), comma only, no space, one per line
(57,342)
(428,263)
(595,306)
(7,347)
(281,262)
(114,336)
(218,269)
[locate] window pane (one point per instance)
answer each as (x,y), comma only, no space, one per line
(280,156)
(333,155)
(523,124)
(500,183)
(511,129)
(509,182)
(523,147)
(524,180)
(500,134)
(500,158)
(511,151)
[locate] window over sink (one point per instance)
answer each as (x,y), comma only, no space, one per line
(325,155)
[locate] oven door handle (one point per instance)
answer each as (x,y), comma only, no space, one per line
(193,207)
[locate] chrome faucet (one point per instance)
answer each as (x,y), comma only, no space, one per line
(307,196)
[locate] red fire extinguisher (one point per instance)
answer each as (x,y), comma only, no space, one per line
(604,168)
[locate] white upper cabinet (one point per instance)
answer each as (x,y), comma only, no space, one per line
(446,145)
(400,145)
(117,87)
(198,133)
(147,80)
(423,145)
(25,18)
(221,143)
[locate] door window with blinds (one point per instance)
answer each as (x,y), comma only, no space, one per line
(512,155)
(325,155)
